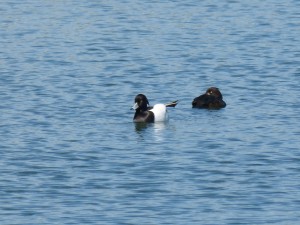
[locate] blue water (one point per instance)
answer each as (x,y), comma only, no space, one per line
(70,153)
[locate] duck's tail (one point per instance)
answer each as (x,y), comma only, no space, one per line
(172,104)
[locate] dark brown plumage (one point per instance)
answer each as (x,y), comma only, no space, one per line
(141,107)
(212,99)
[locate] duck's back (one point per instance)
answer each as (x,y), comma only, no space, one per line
(208,101)
(203,101)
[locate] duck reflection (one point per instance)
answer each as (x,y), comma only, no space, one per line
(155,129)
(159,133)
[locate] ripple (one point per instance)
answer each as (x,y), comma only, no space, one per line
(70,151)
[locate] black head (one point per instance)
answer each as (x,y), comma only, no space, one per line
(141,102)
(213,91)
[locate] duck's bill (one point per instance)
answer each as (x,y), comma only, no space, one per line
(135,106)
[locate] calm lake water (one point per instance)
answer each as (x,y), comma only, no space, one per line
(70,153)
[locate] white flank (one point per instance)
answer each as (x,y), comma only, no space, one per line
(160,113)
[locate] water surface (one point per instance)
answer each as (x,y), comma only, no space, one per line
(70,153)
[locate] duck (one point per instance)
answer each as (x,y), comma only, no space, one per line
(212,99)
(150,114)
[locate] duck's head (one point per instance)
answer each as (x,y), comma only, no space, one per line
(213,91)
(141,103)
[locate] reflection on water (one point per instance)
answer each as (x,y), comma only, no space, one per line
(156,129)
(140,127)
